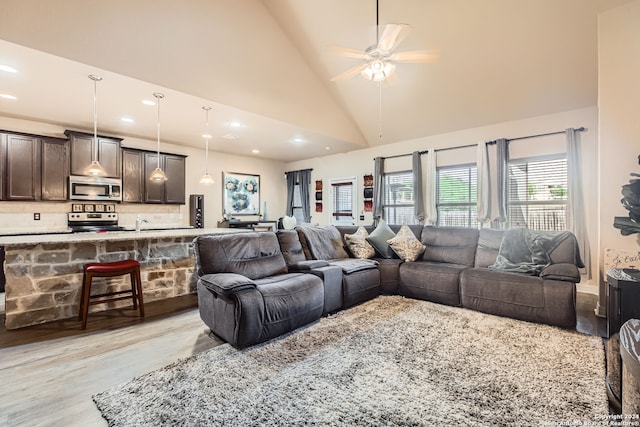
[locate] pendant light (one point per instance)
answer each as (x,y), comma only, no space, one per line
(95,169)
(206,178)
(158,175)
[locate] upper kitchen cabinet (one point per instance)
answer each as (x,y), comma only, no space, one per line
(132,179)
(54,170)
(172,191)
(22,174)
(82,153)
(33,168)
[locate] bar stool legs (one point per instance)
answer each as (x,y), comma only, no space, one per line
(110,269)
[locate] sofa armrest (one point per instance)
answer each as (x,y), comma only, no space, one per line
(225,284)
(561,271)
(305,266)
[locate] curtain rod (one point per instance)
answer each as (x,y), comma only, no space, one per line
(580,129)
(301,170)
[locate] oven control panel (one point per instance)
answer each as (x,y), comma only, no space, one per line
(92,216)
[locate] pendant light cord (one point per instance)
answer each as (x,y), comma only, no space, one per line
(158,96)
(95,79)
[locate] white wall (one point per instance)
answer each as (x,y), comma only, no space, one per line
(619,121)
(360,162)
(19,215)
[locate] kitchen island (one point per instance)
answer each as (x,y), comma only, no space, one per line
(44,271)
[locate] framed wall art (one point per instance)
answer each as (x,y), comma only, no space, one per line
(240,193)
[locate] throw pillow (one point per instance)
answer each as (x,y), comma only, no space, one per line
(379,237)
(406,245)
(358,245)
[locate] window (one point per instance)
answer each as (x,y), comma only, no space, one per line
(298,213)
(537,193)
(343,201)
(457,195)
(398,198)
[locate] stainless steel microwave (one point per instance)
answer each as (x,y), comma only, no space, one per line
(95,188)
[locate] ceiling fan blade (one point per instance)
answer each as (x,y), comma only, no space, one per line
(346,52)
(392,35)
(417,56)
(351,72)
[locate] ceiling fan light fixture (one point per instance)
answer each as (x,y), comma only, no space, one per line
(378,70)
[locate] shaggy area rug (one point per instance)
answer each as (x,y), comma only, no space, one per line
(390,361)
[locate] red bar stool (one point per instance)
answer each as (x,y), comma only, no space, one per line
(110,269)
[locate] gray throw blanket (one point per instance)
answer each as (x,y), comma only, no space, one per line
(525,251)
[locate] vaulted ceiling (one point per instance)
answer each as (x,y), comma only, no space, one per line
(267,65)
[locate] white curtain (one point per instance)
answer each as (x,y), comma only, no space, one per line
(484,184)
(576,218)
(431,212)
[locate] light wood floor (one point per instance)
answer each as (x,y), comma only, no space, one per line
(50,381)
(48,373)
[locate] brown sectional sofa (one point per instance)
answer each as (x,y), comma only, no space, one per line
(255,286)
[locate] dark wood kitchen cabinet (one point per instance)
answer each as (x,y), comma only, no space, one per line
(54,170)
(172,191)
(138,164)
(132,179)
(82,153)
(22,172)
(33,168)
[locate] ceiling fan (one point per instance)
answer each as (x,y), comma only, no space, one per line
(379,60)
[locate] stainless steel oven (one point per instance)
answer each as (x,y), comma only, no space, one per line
(95,188)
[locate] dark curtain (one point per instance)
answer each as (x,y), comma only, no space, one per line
(304,180)
(418,196)
(378,189)
(292,178)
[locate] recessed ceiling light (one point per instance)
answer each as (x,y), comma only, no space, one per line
(127,119)
(230,136)
(255,151)
(5,96)
(7,69)
(148,102)
(327,148)
(235,124)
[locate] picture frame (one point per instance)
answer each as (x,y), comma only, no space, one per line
(240,193)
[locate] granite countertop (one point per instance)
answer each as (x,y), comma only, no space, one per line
(65,236)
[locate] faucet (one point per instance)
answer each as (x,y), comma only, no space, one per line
(139,221)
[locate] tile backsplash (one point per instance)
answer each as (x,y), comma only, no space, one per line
(16,217)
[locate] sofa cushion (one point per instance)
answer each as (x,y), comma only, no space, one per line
(379,239)
(405,245)
(453,245)
(431,281)
(290,246)
(357,244)
(322,242)
(488,246)
(253,255)
(562,271)
(290,301)
(350,265)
